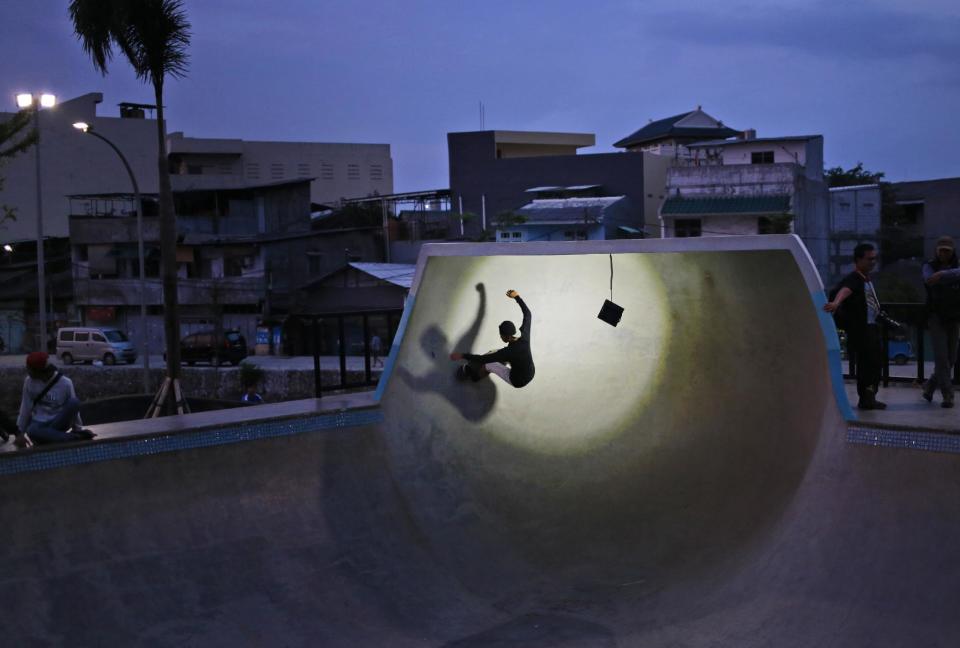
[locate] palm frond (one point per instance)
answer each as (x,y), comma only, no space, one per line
(95,25)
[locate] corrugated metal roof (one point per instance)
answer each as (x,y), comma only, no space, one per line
(399,274)
(776,204)
(567,210)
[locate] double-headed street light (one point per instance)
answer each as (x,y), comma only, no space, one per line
(83,127)
(45,100)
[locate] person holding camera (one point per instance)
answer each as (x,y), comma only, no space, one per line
(862,317)
(941,278)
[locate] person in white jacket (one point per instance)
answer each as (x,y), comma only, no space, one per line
(49,407)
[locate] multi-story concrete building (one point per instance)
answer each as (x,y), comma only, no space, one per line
(336,171)
(204,170)
(244,255)
(492,172)
(930,209)
(751,186)
(74,163)
(854,218)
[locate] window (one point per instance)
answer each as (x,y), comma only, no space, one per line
(353,171)
(253,170)
(66,336)
(326,171)
(376,172)
(761,157)
(276,171)
(303,170)
(83,337)
(314,263)
(575,235)
(517,236)
(504,235)
(686,227)
(98,338)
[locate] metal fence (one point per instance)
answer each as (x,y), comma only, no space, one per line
(903,348)
(349,335)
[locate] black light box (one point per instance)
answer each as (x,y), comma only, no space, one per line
(610,313)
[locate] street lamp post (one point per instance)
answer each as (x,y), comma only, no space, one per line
(27,100)
(88,129)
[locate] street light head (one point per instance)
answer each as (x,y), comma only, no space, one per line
(24,100)
(8,248)
(82,126)
(48,100)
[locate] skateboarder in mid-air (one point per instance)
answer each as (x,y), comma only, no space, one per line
(516,354)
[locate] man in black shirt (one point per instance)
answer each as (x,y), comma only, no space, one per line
(516,354)
(861,308)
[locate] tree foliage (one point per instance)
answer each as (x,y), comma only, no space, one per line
(16,136)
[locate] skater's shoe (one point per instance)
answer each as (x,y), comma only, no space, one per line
(84,433)
(462,373)
(927,397)
(879,405)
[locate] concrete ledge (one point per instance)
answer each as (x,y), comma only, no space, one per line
(172,433)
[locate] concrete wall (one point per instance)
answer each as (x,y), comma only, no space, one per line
(224,383)
(475,172)
(941,207)
(734,180)
(339,170)
(75,163)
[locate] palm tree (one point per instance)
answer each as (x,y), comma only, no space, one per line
(153,35)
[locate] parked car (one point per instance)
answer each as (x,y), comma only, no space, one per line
(231,348)
(89,343)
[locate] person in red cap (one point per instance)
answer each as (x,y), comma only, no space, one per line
(49,407)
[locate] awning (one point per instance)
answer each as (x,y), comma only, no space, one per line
(773,204)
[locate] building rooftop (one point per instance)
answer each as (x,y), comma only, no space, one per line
(673,127)
(399,274)
(736,142)
(567,210)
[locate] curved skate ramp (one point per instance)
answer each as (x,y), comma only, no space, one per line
(681,479)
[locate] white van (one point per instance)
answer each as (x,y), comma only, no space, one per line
(89,343)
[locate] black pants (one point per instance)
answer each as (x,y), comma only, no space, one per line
(868,356)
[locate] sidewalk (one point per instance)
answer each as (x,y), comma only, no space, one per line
(906,409)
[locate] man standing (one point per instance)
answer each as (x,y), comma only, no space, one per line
(49,408)
(941,276)
(516,354)
(861,308)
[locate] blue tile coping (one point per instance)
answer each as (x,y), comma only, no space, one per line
(905,438)
(205,429)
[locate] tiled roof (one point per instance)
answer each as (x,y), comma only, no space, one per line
(665,127)
(677,205)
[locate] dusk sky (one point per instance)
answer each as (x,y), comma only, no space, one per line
(879,80)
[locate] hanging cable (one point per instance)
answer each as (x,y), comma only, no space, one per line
(611,277)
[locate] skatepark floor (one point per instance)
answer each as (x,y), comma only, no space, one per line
(906,409)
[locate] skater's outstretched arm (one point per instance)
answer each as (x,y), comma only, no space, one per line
(527,317)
